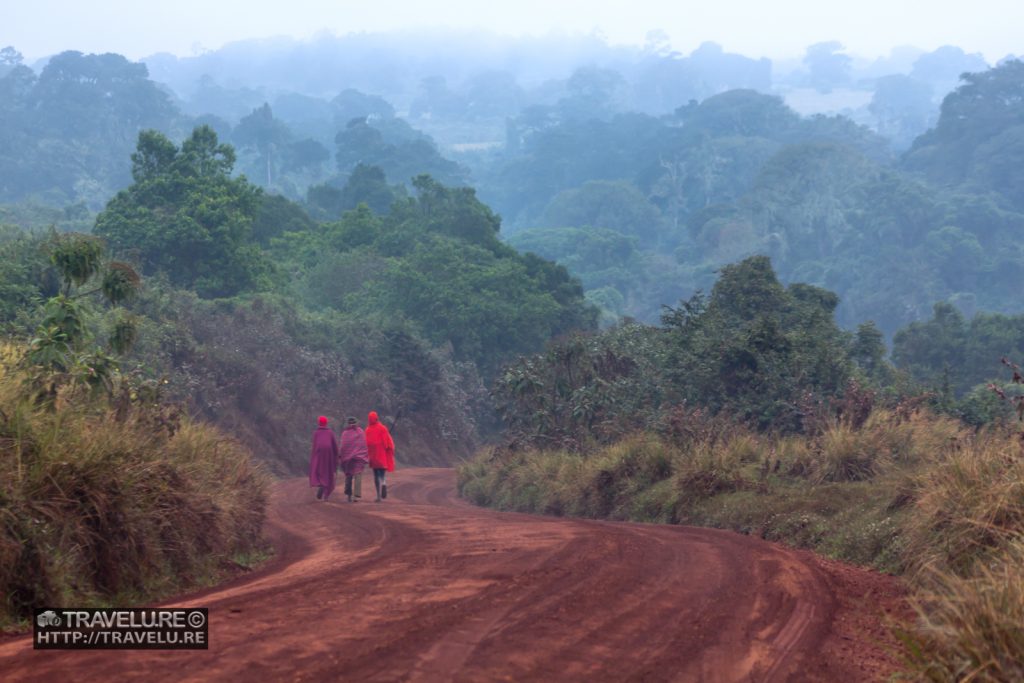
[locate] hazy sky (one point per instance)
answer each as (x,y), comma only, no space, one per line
(773,28)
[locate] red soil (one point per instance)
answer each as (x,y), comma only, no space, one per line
(425,587)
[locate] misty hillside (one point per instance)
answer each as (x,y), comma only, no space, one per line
(387,181)
(683,162)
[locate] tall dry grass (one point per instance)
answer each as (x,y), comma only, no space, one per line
(100,506)
(970,503)
(966,538)
(705,463)
(639,477)
(971,628)
(885,443)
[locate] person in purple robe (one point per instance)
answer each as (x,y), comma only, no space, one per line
(352,455)
(323,460)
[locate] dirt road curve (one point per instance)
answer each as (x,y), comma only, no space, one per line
(427,588)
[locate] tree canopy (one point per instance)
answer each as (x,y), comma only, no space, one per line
(186,216)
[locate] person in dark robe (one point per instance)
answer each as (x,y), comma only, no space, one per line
(323,460)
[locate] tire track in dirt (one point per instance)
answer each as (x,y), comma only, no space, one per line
(428,588)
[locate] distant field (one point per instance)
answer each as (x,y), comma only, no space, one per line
(807,101)
(476,146)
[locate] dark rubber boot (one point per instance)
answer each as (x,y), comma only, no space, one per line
(383,490)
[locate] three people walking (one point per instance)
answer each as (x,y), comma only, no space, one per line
(359,448)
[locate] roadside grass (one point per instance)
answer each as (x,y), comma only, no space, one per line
(966,538)
(739,483)
(971,628)
(104,507)
(915,494)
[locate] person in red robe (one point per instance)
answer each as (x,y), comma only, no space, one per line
(380,450)
(323,460)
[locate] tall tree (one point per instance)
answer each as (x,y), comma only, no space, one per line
(265,134)
(186,216)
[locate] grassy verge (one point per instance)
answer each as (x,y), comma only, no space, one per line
(967,540)
(104,507)
(844,493)
(914,494)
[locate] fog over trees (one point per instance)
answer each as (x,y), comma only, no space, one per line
(893,183)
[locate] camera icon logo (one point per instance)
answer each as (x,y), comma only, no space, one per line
(48,618)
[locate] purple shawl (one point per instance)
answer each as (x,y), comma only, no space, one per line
(353,450)
(323,460)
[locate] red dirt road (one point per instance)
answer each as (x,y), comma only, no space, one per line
(425,587)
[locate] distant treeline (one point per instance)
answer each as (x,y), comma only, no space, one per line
(643,207)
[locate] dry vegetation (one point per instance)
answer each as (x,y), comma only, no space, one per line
(967,540)
(107,505)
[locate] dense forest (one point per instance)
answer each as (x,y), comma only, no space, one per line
(410,265)
(643,173)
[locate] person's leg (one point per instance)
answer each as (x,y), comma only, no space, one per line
(377,476)
(383,483)
(348,487)
(359,485)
